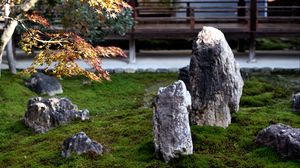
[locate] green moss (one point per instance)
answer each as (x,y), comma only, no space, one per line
(271,44)
(123,124)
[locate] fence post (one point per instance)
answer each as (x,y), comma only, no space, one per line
(253,27)
(241,12)
(132,48)
(192,18)
(187,9)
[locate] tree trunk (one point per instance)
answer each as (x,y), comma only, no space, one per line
(10,57)
(11,26)
(9,46)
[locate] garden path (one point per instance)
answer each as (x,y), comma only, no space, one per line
(173,60)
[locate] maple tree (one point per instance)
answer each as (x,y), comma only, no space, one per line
(61,49)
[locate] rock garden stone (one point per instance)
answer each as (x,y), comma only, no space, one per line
(296,102)
(172,134)
(80,143)
(44,84)
(43,114)
(184,76)
(215,80)
(282,138)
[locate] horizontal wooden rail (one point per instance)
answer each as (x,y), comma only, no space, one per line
(240,19)
(236,18)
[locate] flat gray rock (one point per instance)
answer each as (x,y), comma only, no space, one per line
(43,114)
(215,80)
(283,139)
(44,84)
(80,143)
(172,134)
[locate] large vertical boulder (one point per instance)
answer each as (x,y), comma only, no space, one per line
(172,134)
(282,138)
(184,76)
(43,114)
(215,80)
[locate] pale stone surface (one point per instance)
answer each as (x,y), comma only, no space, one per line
(172,134)
(282,138)
(44,114)
(80,143)
(44,84)
(215,80)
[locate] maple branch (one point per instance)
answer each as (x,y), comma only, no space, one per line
(40,40)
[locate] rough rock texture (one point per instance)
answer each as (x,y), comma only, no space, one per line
(216,82)
(80,143)
(296,102)
(44,114)
(44,84)
(282,138)
(184,76)
(172,134)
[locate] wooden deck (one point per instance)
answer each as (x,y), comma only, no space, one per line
(239,19)
(231,30)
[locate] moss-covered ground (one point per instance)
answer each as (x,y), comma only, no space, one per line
(121,120)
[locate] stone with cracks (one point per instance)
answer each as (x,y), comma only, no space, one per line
(215,80)
(282,138)
(296,102)
(44,84)
(44,114)
(80,143)
(172,134)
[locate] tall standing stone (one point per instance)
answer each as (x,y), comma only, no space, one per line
(215,79)
(184,76)
(172,134)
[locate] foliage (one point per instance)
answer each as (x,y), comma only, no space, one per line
(122,124)
(61,49)
(84,20)
(272,43)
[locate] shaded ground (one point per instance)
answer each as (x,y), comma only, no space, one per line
(121,121)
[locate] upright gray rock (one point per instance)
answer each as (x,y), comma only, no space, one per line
(215,80)
(44,114)
(296,102)
(44,84)
(172,134)
(80,143)
(184,76)
(282,138)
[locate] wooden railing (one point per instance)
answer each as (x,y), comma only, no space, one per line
(241,18)
(250,12)
(236,18)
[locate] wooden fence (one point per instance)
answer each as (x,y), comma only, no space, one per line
(180,19)
(183,19)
